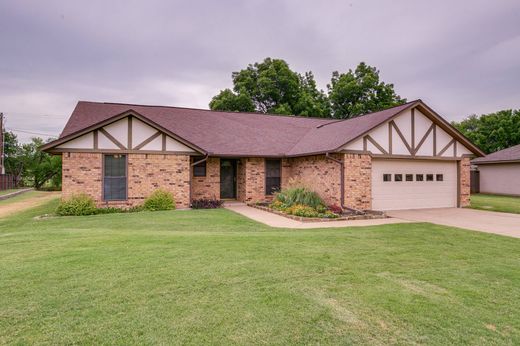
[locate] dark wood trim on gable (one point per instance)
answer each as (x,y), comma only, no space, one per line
(423,139)
(379,147)
(51,145)
(446,147)
(111,138)
(394,125)
(148,140)
(129,146)
(413,131)
(96,140)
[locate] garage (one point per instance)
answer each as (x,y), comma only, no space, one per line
(413,184)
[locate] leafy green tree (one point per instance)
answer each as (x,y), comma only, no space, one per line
(272,87)
(312,102)
(12,151)
(492,132)
(360,92)
(35,167)
(38,166)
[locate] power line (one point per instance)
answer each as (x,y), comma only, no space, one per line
(31,132)
(52,116)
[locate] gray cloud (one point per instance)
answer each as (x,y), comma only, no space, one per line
(460,59)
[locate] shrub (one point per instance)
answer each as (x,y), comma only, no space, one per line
(159,200)
(299,195)
(302,210)
(77,205)
(204,203)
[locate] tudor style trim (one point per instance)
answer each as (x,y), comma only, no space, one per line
(436,119)
(148,140)
(111,138)
(50,147)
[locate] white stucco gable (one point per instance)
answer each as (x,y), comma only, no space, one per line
(126,134)
(411,133)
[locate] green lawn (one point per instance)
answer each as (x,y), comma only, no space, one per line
(506,204)
(5,192)
(214,277)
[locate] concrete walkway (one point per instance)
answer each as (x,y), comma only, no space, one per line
(278,221)
(477,220)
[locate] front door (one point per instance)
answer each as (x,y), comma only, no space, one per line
(228,178)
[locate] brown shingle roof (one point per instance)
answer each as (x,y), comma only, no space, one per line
(509,154)
(236,134)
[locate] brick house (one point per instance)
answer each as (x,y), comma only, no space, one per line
(399,158)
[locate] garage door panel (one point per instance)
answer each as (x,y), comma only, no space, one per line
(392,195)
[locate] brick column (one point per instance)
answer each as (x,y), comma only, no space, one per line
(358,181)
(464,182)
(254,179)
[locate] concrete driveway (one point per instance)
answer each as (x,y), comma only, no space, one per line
(477,220)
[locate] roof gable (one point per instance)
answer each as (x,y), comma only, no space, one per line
(239,134)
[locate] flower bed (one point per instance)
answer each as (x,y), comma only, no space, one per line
(369,215)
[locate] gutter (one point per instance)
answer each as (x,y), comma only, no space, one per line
(342,177)
(342,184)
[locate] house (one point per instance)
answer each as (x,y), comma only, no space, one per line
(499,172)
(399,158)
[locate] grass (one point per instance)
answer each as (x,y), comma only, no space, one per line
(506,204)
(23,197)
(214,277)
(5,192)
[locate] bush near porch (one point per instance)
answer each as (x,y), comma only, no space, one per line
(301,201)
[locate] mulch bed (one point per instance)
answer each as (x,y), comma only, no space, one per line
(369,215)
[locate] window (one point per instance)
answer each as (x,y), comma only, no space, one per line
(273,170)
(387,177)
(419,177)
(398,177)
(199,170)
(429,177)
(409,177)
(114,178)
(440,177)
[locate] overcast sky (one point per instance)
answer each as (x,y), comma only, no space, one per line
(461,57)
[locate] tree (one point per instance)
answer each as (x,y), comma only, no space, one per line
(494,131)
(29,163)
(272,87)
(360,92)
(38,166)
(12,151)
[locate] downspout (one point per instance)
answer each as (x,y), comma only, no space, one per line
(342,183)
(191,172)
(342,178)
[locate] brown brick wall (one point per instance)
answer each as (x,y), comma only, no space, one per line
(464,188)
(208,186)
(254,176)
(319,174)
(82,173)
(241,180)
(148,172)
(358,181)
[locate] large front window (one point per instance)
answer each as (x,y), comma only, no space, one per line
(273,170)
(114,178)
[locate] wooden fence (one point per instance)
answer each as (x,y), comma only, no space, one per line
(8,181)
(475,181)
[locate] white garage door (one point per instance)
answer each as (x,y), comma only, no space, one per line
(413,184)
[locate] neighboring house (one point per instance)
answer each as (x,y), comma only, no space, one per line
(499,172)
(403,157)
